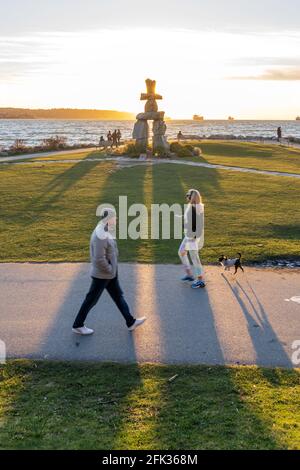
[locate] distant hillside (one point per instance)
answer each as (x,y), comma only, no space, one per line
(64,113)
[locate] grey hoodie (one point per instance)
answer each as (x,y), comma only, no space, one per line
(104,254)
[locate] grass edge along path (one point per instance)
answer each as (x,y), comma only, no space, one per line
(60,405)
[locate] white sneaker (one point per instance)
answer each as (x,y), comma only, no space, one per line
(138,322)
(83,330)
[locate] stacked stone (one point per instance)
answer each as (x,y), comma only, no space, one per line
(141,127)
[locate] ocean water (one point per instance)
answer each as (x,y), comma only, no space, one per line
(32,132)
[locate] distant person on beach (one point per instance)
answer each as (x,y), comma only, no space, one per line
(119,135)
(179,136)
(115,138)
(109,137)
(104,273)
(193,239)
(101,141)
(279,134)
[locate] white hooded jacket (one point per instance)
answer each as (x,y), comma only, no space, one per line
(194,223)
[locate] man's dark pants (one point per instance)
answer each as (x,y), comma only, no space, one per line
(96,289)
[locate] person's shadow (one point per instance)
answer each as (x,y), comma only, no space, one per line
(267,345)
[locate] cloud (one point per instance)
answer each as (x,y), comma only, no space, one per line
(19,16)
(11,70)
(292,74)
(267,61)
(21,56)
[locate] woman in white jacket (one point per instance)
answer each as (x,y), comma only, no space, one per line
(193,240)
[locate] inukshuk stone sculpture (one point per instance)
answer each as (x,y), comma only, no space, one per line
(141,127)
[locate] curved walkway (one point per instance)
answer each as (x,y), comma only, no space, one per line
(45,154)
(134,162)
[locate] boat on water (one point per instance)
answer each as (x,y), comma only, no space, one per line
(196,117)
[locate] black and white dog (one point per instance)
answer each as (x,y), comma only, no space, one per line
(228,263)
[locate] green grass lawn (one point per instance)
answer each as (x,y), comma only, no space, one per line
(251,155)
(45,405)
(49,210)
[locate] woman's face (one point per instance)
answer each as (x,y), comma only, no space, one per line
(112,222)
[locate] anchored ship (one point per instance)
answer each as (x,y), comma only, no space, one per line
(196,117)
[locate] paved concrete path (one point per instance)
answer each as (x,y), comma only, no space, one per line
(28,156)
(242,321)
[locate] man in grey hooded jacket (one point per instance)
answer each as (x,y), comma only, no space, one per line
(104,273)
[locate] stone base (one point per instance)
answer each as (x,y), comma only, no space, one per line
(141,131)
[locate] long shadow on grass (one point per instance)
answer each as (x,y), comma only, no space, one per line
(164,186)
(208,180)
(64,405)
(284,231)
(127,182)
(205,408)
(238,150)
(55,189)
(59,230)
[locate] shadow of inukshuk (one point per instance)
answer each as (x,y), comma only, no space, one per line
(141,127)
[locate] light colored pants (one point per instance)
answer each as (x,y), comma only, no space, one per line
(190,247)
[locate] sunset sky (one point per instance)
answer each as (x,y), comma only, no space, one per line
(212,57)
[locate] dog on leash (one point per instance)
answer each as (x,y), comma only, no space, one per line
(228,263)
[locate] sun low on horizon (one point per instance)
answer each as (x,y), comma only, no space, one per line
(214,69)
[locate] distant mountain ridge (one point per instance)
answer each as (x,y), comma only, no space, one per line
(64,113)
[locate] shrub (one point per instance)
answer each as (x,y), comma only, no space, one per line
(185,150)
(134,150)
(18,146)
(182,150)
(161,152)
(55,143)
